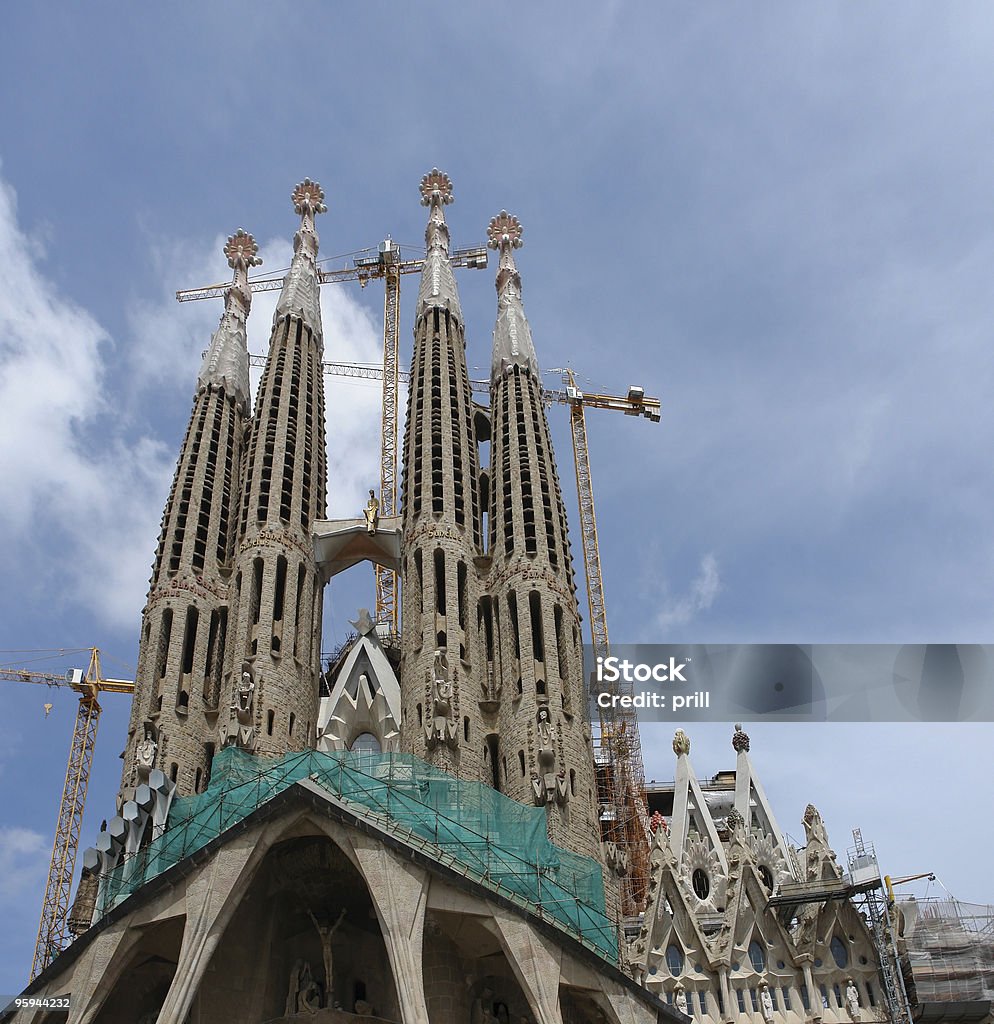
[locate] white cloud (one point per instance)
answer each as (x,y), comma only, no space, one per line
(678,611)
(74,482)
(24,856)
(79,477)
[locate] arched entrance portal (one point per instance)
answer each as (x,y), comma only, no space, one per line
(303,942)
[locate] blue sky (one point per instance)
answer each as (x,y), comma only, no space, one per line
(777,218)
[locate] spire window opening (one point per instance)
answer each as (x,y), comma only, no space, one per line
(165,635)
(461,593)
(290,724)
(486,610)
(189,640)
(419,571)
(279,594)
(270,721)
(439,581)
(441,639)
(255,597)
(535,614)
(557,618)
(512,612)
(521,762)
(173,771)
(297,635)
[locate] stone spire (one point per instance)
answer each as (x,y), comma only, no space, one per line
(512,335)
(226,359)
(442,663)
(270,684)
(438,286)
(300,288)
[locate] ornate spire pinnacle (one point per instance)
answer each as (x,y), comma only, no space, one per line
(512,336)
(226,359)
(300,288)
(438,286)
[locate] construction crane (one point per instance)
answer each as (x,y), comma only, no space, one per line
(53,927)
(617,745)
(385,263)
(889,883)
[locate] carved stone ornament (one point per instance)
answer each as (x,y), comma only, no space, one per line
(308,197)
(145,751)
(681,743)
(766,1002)
(239,728)
(852,1000)
(436,184)
(242,250)
(441,726)
(740,739)
(371,513)
(548,786)
(504,229)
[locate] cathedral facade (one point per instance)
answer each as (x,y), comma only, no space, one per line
(412,832)
(408,834)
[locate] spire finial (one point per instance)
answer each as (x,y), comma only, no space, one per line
(512,336)
(436,187)
(226,360)
(436,192)
(242,251)
(308,199)
(504,231)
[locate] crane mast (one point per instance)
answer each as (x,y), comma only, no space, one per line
(53,932)
(617,745)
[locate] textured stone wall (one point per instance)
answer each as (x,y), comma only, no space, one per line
(276,605)
(184,624)
(536,620)
(441,532)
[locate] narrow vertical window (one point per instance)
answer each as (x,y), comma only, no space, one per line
(439,581)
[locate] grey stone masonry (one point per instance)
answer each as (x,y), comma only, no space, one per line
(185,620)
(545,752)
(442,671)
(274,646)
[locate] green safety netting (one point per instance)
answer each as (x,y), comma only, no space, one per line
(465,825)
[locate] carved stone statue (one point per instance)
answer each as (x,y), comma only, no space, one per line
(441,727)
(145,751)
(239,729)
(304,994)
(326,931)
(681,743)
(371,513)
(766,1002)
(680,999)
(852,1000)
(547,786)
(483,1009)
(814,827)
